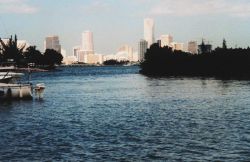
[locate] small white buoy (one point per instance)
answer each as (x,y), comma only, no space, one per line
(39,90)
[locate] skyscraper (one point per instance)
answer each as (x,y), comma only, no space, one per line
(166,40)
(149,31)
(142,49)
(52,42)
(87,42)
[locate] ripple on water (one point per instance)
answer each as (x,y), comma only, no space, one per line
(115,114)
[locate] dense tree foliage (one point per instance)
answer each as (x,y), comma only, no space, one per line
(221,62)
(32,55)
(115,62)
(10,51)
(52,57)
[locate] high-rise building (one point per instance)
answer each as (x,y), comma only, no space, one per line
(149,31)
(177,46)
(192,47)
(52,42)
(166,40)
(142,49)
(87,42)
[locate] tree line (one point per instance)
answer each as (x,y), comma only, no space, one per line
(220,62)
(21,57)
(115,62)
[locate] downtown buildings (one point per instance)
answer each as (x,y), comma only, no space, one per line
(86,53)
(166,40)
(52,42)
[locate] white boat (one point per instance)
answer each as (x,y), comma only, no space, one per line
(5,79)
(12,74)
(15,91)
(9,89)
(6,75)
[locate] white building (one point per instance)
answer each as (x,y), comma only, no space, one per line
(166,40)
(149,31)
(142,49)
(52,42)
(81,56)
(69,60)
(87,42)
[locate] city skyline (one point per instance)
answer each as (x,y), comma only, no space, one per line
(213,20)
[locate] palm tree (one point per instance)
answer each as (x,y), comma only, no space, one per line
(11,50)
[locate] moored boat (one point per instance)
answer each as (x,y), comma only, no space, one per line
(15,91)
(10,88)
(5,79)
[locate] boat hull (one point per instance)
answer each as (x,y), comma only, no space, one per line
(15,91)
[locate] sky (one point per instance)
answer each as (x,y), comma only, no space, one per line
(118,22)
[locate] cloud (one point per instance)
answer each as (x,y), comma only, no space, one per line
(16,6)
(238,8)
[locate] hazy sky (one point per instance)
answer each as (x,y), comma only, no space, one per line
(118,22)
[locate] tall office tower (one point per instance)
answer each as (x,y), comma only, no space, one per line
(52,42)
(87,42)
(142,49)
(177,46)
(166,40)
(149,31)
(192,47)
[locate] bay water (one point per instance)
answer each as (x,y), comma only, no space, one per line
(113,113)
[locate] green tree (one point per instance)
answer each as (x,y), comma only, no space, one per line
(52,57)
(32,55)
(11,50)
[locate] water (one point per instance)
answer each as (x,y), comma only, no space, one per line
(116,114)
